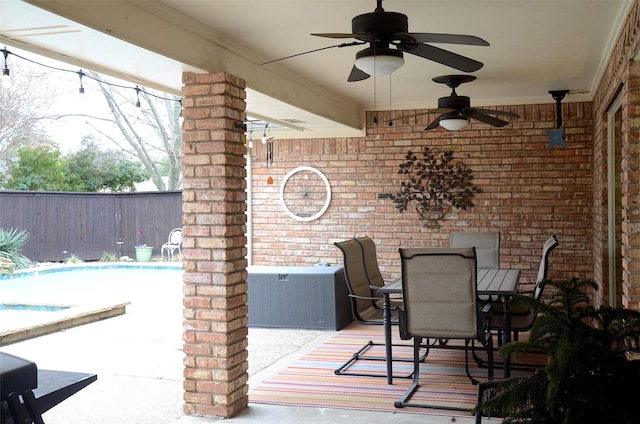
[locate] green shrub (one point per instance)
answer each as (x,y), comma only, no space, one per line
(73,259)
(108,257)
(11,243)
(589,372)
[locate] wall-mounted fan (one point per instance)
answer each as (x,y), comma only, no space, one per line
(456,110)
(388,36)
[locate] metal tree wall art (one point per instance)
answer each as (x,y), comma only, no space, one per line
(434,181)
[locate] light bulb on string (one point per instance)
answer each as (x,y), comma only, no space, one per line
(6,75)
(80,75)
(137,97)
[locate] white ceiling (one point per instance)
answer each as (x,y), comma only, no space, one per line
(536,46)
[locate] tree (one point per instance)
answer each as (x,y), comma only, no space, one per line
(91,169)
(88,170)
(151,132)
(24,107)
(36,168)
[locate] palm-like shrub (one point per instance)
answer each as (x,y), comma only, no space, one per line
(11,243)
(590,368)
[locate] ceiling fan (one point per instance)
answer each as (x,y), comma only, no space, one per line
(456,110)
(382,30)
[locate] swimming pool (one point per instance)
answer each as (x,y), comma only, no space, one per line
(53,299)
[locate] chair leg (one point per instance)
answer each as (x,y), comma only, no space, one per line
(26,411)
(32,406)
(416,376)
(360,356)
(404,400)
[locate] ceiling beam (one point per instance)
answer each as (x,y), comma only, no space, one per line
(165,31)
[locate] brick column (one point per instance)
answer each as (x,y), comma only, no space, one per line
(214,246)
(631,190)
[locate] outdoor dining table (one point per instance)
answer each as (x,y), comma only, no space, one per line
(494,283)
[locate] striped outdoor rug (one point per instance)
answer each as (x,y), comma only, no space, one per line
(311,381)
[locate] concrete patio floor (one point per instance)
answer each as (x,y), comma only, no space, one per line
(138,359)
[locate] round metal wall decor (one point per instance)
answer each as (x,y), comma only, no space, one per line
(305,193)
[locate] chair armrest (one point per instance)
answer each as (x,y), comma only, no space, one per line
(365,297)
(487,309)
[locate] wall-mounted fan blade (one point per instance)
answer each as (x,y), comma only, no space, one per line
(497,112)
(473,113)
(357,74)
(469,40)
(439,55)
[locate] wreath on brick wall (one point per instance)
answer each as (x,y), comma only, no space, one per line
(435,182)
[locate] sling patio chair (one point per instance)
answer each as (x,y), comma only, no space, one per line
(522,317)
(371,266)
(487,244)
(366,307)
(439,289)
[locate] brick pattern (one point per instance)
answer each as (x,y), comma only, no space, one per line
(528,191)
(620,80)
(214,245)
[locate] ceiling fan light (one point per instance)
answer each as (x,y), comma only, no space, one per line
(383,62)
(454,123)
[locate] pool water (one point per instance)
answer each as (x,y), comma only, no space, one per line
(37,308)
(43,301)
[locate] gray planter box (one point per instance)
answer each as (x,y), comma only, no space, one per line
(313,297)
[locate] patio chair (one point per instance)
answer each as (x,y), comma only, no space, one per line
(522,318)
(25,412)
(173,243)
(366,305)
(487,246)
(439,287)
(371,267)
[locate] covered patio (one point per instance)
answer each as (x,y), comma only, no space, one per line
(584,192)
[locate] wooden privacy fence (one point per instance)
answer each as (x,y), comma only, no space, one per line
(89,224)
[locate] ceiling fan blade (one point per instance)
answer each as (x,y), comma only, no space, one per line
(433,124)
(426,112)
(497,112)
(355,43)
(344,35)
(424,37)
(357,74)
(472,113)
(442,56)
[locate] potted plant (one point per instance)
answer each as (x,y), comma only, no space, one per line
(590,366)
(143,252)
(434,181)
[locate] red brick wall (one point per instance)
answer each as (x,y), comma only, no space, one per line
(528,191)
(214,245)
(620,80)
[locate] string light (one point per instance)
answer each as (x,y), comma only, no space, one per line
(137,97)
(6,79)
(81,74)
